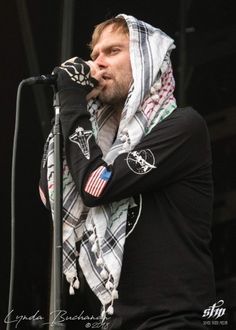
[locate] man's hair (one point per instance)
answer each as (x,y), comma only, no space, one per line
(118,23)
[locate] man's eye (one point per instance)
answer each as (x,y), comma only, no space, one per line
(115,50)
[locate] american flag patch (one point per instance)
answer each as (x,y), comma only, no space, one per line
(97,181)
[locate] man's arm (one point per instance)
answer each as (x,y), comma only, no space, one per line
(176,148)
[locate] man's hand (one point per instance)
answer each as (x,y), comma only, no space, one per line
(75,73)
(96,73)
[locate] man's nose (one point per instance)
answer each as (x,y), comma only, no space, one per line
(101,61)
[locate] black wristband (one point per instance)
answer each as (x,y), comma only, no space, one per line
(71,98)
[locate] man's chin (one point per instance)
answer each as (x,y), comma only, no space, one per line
(104,98)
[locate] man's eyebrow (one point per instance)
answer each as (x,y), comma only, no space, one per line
(107,47)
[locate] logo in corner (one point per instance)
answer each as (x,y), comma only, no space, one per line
(215,311)
(141,162)
(213,314)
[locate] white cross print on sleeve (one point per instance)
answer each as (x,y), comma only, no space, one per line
(81,137)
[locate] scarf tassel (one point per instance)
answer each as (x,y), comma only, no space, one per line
(74,284)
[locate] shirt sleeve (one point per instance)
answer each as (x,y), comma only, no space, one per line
(176,149)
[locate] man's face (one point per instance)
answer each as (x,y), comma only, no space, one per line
(111,55)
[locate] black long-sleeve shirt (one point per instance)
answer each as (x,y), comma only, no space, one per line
(167,277)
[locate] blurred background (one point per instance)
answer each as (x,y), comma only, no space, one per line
(36,36)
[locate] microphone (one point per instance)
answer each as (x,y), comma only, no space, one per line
(46,79)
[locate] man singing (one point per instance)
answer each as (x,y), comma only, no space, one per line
(137,183)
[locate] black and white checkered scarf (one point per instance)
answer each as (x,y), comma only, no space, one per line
(102,229)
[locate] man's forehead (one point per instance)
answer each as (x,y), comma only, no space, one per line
(109,36)
(113,32)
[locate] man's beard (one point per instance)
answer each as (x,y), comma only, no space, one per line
(115,94)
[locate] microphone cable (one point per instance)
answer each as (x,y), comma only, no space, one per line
(42,79)
(28,81)
(13,213)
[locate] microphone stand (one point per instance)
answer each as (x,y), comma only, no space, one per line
(57,273)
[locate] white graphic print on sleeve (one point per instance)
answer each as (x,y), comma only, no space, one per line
(141,162)
(81,137)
